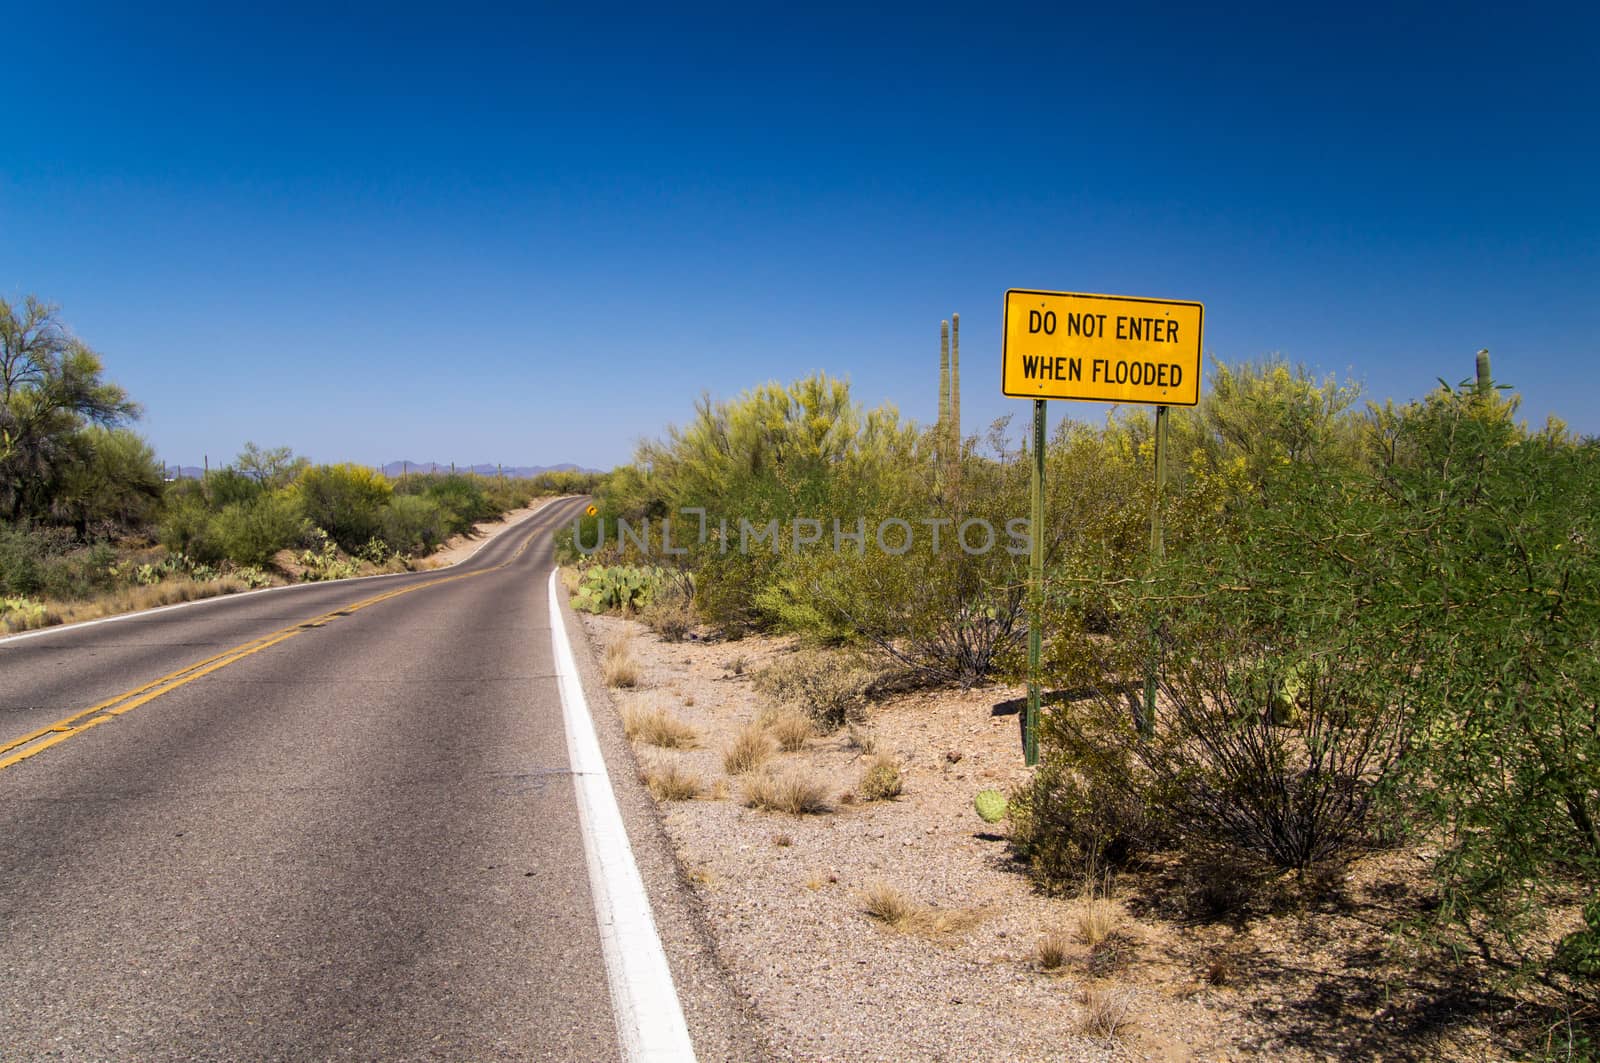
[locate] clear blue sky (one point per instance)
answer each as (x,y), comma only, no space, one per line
(456,234)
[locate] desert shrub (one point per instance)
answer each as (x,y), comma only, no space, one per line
(47,562)
(749,750)
(25,552)
(229,486)
(1098,919)
(891,906)
(1088,804)
(1234,761)
(461,499)
(618,665)
(942,593)
(654,725)
(790,729)
(1500,589)
(188,526)
(671,617)
(671,780)
(883,780)
(792,792)
(1052,950)
(251,532)
(413,524)
(345,501)
(1107,1012)
(829,687)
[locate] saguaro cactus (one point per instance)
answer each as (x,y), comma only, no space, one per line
(948,429)
(1485,381)
(944,379)
(955,402)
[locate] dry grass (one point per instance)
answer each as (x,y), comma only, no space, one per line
(656,726)
(670,781)
(619,667)
(1098,919)
(1052,949)
(1106,1012)
(891,907)
(883,780)
(791,792)
(750,749)
(894,909)
(791,730)
(123,600)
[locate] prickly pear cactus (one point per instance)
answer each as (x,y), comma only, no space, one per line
(624,587)
(991,805)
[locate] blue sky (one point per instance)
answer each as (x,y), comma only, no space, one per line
(461,234)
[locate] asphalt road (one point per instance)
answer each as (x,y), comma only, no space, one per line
(353,836)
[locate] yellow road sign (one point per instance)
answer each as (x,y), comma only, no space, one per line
(1101,348)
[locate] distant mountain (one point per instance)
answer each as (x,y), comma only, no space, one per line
(394,469)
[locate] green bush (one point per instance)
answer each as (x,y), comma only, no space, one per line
(228,486)
(188,527)
(250,533)
(1089,805)
(462,501)
(49,562)
(24,554)
(345,501)
(413,524)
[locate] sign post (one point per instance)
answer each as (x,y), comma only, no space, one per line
(1030,721)
(1147,722)
(1094,348)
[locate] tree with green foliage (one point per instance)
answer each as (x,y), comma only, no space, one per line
(51,388)
(275,467)
(116,479)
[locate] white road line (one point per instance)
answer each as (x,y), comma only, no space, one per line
(650,1024)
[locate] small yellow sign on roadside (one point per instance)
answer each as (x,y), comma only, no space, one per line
(1101,348)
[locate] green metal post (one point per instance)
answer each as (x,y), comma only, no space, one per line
(1147,724)
(1030,721)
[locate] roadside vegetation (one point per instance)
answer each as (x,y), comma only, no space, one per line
(1376,629)
(89,525)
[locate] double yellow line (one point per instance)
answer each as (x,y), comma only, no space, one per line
(16,750)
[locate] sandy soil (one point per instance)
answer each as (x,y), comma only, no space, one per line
(785,898)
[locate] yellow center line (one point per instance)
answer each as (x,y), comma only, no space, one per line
(37,741)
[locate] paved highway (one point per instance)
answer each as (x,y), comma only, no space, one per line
(323,823)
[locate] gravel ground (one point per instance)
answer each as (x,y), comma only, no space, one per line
(784,894)
(781,900)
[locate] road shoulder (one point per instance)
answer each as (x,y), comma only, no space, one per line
(721,1022)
